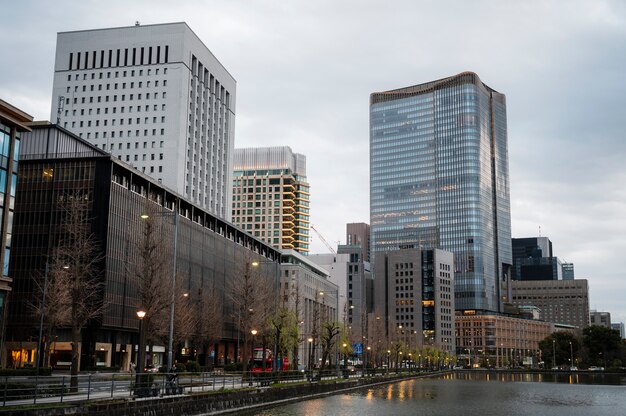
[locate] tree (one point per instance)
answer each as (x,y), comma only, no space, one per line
(152,275)
(561,345)
(602,345)
(250,300)
(53,295)
(281,323)
(75,266)
(328,335)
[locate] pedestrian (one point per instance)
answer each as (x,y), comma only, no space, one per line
(132,368)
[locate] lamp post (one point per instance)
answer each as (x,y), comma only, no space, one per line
(388,360)
(571,354)
(170,337)
(553,353)
(141,354)
(310,339)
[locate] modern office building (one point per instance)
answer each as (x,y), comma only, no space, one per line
(271,196)
(533,260)
(568,271)
(360,294)
(13,123)
(600,318)
(55,167)
(156,97)
(560,301)
(414,291)
(439,178)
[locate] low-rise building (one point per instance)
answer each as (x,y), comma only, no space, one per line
(488,339)
(210,253)
(307,290)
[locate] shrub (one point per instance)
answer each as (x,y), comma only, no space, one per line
(193,367)
(43,371)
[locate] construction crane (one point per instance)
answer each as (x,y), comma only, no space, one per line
(328,246)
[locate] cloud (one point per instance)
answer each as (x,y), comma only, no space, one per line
(305,70)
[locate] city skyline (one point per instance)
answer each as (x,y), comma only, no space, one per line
(302,87)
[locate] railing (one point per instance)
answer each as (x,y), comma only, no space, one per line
(27,390)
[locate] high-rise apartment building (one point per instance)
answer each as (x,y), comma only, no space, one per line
(414,290)
(560,301)
(155,97)
(271,196)
(439,179)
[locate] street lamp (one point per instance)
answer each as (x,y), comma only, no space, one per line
(170,338)
(388,358)
(142,347)
(553,353)
(310,339)
(571,354)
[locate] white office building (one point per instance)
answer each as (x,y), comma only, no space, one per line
(155,97)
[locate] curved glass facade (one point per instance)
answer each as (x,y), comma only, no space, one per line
(439,179)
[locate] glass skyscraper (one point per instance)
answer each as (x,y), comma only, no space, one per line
(439,178)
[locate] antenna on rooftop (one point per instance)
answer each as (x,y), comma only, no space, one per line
(137,23)
(540,231)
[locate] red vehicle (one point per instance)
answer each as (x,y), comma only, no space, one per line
(256,365)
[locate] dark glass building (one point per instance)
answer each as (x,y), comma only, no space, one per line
(13,123)
(439,178)
(533,259)
(209,250)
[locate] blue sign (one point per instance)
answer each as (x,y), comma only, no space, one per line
(357,349)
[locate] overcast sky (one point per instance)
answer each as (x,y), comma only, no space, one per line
(305,69)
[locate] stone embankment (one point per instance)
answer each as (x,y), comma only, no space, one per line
(215,403)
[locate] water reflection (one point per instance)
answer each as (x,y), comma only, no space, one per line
(477,392)
(569,378)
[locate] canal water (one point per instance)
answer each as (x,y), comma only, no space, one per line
(476,393)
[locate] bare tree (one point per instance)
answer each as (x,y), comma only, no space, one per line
(152,275)
(75,265)
(293,333)
(251,301)
(207,306)
(330,330)
(53,294)
(315,327)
